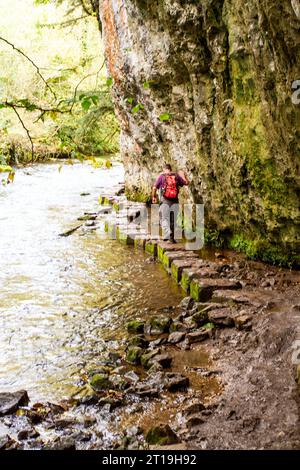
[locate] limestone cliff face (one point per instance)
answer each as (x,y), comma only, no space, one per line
(207,86)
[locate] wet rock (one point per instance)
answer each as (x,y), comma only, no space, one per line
(106,370)
(148,357)
(134,354)
(187,303)
(112,402)
(221,317)
(118,382)
(135,326)
(145,390)
(199,318)
(193,408)
(177,326)
(90,400)
(139,341)
(62,443)
(100,382)
(165,360)
(198,336)
(160,325)
(194,421)
(184,345)
(65,422)
(161,435)
(5,442)
(10,402)
(87,217)
(88,421)
(176,337)
(28,434)
(131,377)
(157,342)
(243,322)
(175,381)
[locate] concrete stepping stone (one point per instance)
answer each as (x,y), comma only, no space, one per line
(202,290)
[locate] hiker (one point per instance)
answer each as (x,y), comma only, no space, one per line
(168,184)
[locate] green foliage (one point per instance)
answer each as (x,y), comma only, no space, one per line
(164,117)
(78,119)
(138,107)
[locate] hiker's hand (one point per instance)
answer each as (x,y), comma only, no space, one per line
(154,200)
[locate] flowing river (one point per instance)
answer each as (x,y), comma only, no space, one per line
(63,298)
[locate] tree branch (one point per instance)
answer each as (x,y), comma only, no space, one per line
(80,82)
(25,128)
(32,63)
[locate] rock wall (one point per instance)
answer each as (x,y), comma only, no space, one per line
(207,86)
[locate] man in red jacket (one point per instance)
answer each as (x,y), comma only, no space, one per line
(168,184)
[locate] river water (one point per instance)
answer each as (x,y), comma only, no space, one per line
(63,298)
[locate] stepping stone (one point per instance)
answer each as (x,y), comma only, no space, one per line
(162,247)
(151,247)
(111,229)
(192,263)
(140,242)
(202,290)
(197,271)
(169,257)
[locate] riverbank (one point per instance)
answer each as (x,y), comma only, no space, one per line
(222,367)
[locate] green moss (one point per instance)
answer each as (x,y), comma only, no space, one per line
(135,326)
(166,260)
(100,382)
(160,253)
(151,247)
(185,281)
(138,341)
(176,272)
(161,435)
(137,195)
(198,292)
(147,358)
(265,251)
(134,354)
(161,324)
(124,237)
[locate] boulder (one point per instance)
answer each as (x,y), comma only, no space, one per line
(10,402)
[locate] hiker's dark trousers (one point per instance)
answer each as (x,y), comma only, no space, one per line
(168,212)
